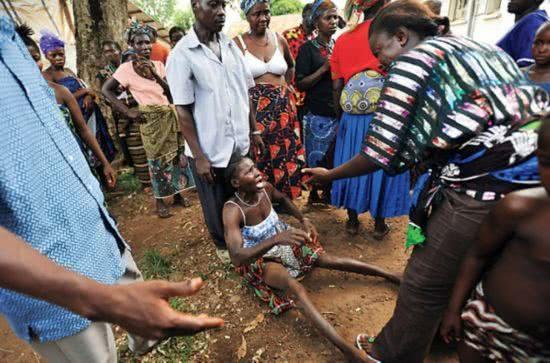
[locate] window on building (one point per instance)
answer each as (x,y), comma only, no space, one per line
(492,6)
(458,9)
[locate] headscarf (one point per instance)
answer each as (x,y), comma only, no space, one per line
(318,8)
(246,5)
(358,6)
(136,28)
(49,41)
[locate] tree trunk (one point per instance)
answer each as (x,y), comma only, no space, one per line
(96,21)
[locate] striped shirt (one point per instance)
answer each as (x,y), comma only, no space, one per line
(443,93)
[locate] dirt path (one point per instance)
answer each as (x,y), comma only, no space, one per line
(352,303)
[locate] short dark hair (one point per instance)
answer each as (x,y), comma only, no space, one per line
(111,42)
(175,29)
(410,14)
(26,32)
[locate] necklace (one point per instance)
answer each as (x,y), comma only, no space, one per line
(266,41)
(245,203)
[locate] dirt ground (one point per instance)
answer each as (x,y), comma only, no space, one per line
(352,303)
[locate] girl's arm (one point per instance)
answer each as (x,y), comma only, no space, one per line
(232,219)
(293,210)
(85,133)
(495,231)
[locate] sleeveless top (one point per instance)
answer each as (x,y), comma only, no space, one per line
(361,93)
(269,227)
(276,65)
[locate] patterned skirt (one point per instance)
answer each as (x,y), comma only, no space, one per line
(129,131)
(320,133)
(278,302)
(284,156)
(494,338)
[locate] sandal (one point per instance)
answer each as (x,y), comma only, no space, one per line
(368,348)
(163,212)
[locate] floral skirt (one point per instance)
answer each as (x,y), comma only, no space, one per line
(284,155)
(277,300)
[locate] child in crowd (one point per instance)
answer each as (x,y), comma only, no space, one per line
(539,73)
(507,318)
(270,255)
(72,115)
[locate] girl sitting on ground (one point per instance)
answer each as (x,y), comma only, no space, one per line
(270,255)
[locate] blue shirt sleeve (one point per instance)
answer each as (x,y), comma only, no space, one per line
(518,41)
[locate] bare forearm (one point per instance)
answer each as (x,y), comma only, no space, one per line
(337,87)
(358,165)
(81,92)
(469,275)
(307,82)
(165,87)
(25,270)
(252,116)
(92,144)
(117,104)
(243,256)
(289,75)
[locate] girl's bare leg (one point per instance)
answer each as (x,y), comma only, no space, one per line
(275,275)
(332,262)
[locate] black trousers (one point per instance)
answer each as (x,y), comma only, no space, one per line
(213,197)
(429,278)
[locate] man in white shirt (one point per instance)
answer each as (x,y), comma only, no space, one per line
(209,83)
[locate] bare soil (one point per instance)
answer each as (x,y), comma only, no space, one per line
(352,303)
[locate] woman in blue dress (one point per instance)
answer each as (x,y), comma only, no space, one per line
(54,50)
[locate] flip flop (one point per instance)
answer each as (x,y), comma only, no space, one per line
(370,340)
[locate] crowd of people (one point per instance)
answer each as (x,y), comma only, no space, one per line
(396,116)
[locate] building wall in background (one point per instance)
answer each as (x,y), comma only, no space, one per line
(489,22)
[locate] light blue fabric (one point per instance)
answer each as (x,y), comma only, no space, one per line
(319,134)
(378,193)
(48,196)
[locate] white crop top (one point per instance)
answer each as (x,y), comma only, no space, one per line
(276,65)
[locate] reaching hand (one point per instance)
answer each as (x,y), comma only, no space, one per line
(258,144)
(204,170)
(318,175)
(310,229)
(292,237)
(110,176)
(143,309)
(451,326)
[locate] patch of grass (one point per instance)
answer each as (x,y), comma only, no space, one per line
(155,266)
(127,182)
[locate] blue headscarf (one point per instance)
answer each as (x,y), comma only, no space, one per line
(49,41)
(246,5)
(318,9)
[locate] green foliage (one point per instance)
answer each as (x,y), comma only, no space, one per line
(160,10)
(155,266)
(183,19)
(128,183)
(283,7)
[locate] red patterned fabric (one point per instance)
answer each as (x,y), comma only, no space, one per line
(284,156)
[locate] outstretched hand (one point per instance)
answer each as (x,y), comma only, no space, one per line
(142,308)
(319,176)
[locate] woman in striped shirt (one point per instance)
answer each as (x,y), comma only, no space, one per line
(457,109)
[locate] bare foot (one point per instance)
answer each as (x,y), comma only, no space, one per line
(381,232)
(162,210)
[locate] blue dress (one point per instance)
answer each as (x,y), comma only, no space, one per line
(73,84)
(377,193)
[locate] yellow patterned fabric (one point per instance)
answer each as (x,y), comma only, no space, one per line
(361,93)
